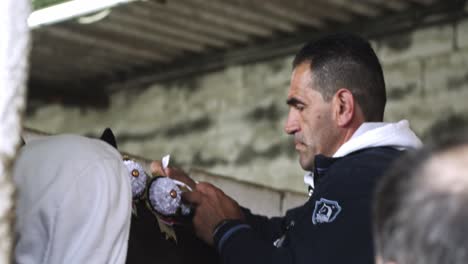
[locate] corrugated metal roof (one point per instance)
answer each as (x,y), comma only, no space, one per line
(153,40)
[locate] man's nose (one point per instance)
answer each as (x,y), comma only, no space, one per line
(292,125)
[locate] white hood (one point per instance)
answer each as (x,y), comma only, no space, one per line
(369,135)
(74,202)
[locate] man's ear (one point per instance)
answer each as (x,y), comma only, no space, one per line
(343,107)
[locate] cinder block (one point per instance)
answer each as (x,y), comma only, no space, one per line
(462,34)
(428,112)
(259,199)
(412,108)
(272,76)
(403,79)
(225,87)
(282,172)
(446,74)
(420,43)
(444,93)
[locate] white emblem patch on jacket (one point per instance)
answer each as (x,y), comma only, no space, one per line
(325,211)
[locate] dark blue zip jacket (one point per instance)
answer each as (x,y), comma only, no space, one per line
(333,226)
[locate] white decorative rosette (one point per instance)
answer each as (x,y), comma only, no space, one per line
(138,178)
(164,196)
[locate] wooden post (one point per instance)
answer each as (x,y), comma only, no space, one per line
(14,50)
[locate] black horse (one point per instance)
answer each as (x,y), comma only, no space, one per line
(148,245)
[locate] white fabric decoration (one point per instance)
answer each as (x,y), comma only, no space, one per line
(138,181)
(74,202)
(165,161)
(159,195)
(185,209)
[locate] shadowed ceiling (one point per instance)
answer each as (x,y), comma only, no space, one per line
(155,40)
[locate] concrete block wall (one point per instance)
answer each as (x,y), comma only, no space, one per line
(259,199)
(427,76)
(230,122)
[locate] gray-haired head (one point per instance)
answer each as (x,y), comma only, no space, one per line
(421,207)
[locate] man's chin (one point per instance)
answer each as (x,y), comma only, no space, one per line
(307,164)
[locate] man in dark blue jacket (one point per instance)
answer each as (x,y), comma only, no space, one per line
(337,100)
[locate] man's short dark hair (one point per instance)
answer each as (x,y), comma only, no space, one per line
(347,61)
(421,206)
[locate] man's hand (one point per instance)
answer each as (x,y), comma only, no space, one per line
(212,207)
(173,173)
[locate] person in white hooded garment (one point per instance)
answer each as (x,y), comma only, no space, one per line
(74,202)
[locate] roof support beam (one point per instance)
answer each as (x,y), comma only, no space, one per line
(444,12)
(117,47)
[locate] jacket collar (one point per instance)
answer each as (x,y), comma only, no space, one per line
(322,164)
(395,135)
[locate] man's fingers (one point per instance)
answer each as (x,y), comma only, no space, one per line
(208,189)
(181,176)
(157,168)
(174,173)
(193,197)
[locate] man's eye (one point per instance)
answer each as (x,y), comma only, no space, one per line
(299,107)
